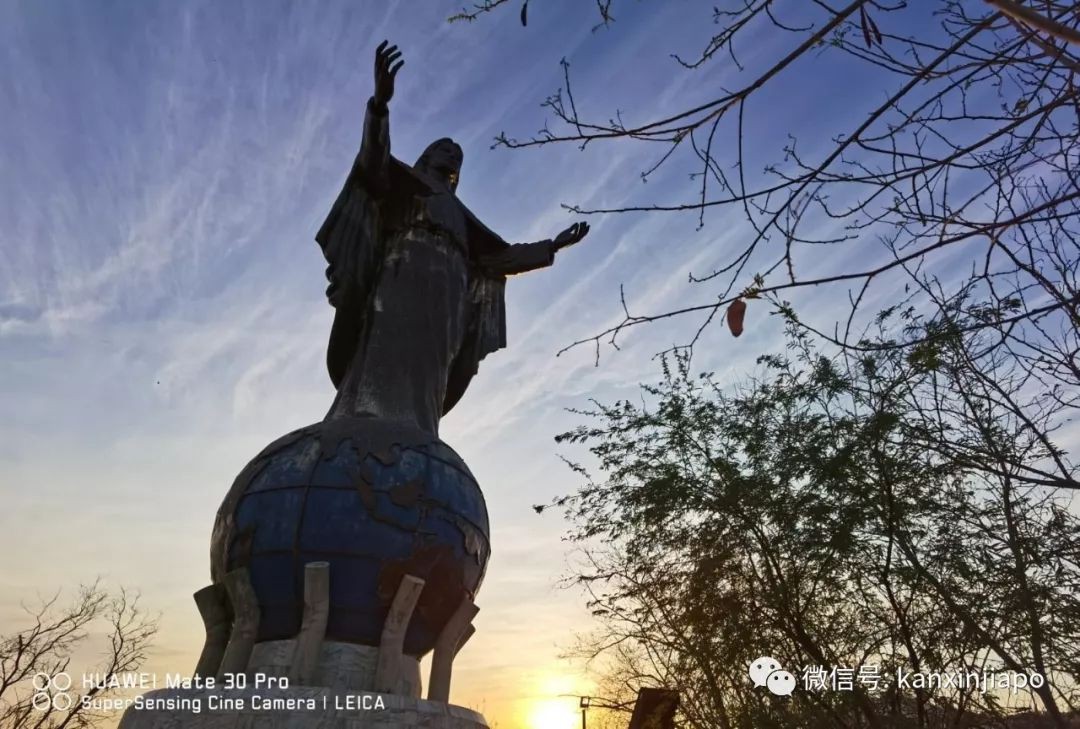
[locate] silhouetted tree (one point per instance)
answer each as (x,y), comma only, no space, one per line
(46,646)
(896,488)
(894,509)
(968,163)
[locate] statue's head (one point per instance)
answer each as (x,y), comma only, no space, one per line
(442,161)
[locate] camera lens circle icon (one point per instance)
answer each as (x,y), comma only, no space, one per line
(41,701)
(51,692)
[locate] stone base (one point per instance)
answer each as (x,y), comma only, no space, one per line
(302,707)
(341,666)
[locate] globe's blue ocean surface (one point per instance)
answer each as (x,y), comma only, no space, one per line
(375,500)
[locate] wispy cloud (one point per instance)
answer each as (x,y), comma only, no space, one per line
(161,296)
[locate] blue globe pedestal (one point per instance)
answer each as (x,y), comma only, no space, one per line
(375,499)
(343,553)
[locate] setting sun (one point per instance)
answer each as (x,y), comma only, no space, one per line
(554,713)
(554,704)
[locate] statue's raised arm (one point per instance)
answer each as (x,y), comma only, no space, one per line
(387,64)
(372,163)
(524,257)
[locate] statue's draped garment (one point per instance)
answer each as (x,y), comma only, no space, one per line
(418,287)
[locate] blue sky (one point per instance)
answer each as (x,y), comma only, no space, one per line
(163,169)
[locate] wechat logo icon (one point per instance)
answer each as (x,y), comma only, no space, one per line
(767,672)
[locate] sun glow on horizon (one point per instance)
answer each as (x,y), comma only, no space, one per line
(553,713)
(554,705)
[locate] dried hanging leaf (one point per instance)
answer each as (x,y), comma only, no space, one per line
(735,313)
(525,13)
(865,27)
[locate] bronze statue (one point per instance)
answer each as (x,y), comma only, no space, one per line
(416,279)
(348,549)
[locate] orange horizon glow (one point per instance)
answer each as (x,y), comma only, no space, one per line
(553,704)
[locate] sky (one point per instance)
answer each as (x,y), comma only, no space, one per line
(163,169)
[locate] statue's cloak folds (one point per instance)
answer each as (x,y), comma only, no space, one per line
(353,240)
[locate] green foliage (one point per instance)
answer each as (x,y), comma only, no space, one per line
(887,509)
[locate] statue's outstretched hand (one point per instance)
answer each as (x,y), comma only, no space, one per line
(386,67)
(571,235)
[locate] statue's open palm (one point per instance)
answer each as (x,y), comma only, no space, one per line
(387,64)
(571,235)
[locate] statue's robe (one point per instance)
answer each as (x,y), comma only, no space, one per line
(384,202)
